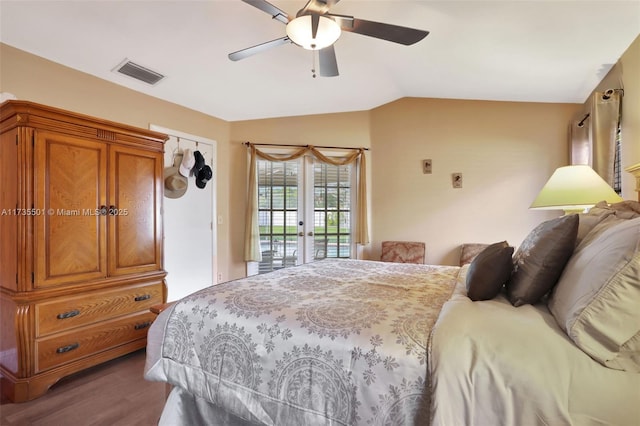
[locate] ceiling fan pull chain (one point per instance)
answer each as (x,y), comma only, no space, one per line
(313,70)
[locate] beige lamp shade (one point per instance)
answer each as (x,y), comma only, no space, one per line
(574,188)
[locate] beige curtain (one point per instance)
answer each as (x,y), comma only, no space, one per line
(580,143)
(593,134)
(251,228)
(252,232)
(605,118)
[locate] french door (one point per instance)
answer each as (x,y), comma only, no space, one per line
(304,211)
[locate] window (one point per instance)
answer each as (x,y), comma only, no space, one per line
(278,213)
(332,210)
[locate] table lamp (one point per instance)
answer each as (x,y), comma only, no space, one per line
(574,189)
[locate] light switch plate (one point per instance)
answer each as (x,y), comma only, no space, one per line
(456,180)
(426,166)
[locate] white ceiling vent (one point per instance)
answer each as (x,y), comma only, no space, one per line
(138,72)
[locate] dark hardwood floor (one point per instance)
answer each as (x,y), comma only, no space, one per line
(114,393)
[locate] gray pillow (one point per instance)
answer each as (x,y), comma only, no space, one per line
(597,298)
(540,259)
(488,271)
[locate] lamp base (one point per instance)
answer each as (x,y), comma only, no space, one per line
(567,212)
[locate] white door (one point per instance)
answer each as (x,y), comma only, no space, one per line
(330,198)
(189,227)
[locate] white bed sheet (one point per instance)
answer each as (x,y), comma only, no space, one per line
(494,364)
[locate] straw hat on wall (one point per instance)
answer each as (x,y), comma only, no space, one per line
(175,185)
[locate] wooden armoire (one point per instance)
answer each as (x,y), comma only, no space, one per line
(80,243)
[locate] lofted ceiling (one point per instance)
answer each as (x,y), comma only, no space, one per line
(539,51)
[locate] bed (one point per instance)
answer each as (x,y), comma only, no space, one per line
(354,342)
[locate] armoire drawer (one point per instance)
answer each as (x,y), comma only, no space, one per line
(69,312)
(81,342)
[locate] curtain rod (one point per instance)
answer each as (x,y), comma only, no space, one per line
(302,146)
(607,93)
(581,123)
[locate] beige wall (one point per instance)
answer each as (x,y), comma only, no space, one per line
(505,151)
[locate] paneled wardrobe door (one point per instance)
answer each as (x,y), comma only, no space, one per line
(135,200)
(70,187)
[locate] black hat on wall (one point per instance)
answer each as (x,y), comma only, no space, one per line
(204,175)
(199,163)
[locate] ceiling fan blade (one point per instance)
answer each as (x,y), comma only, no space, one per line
(389,32)
(267,7)
(345,21)
(249,51)
(327,61)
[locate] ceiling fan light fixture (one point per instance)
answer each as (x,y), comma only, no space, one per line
(299,31)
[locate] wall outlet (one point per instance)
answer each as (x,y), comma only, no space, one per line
(426,167)
(219,278)
(456,180)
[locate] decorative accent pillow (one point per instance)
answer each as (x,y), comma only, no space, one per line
(540,259)
(469,251)
(597,300)
(488,271)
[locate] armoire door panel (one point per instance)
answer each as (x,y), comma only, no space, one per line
(134,218)
(70,182)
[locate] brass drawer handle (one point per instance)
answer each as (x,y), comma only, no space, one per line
(67,348)
(69,314)
(143,297)
(143,325)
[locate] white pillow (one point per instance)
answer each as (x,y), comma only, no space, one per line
(597,299)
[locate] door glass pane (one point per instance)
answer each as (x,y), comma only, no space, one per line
(277,213)
(332,209)
(264,197)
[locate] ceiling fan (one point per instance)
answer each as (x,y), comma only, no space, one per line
(314,28)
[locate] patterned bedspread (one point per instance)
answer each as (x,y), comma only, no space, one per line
(341,342)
